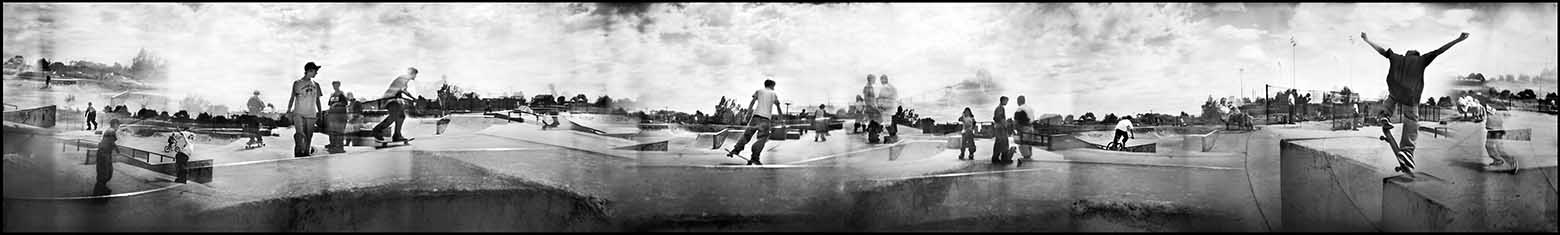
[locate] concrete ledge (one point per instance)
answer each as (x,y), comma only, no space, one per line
(1322,190)
(1405,209)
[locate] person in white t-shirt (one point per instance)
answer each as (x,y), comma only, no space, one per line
(1123,131)
(180,143)
(763,105)
(397,94)
(303,106)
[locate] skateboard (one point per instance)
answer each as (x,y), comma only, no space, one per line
(386,143)
(1405,163)
(728,154)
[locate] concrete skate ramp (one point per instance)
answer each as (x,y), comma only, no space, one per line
(1334,184)
(1145,142)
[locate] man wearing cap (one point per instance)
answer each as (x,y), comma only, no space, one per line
(303,106)
(396,107)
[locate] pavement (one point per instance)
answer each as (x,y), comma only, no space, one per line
(575,181)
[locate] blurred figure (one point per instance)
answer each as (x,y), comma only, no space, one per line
(91,117)
(821,125)
(1022,119)
(1494,126)
(181,144)
(967,121)
(105,153)
(336,119)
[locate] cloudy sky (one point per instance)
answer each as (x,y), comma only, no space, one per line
(1068,58)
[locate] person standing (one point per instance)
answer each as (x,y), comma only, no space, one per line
(764,102)
(1000,131)
(1405,83)
(91,117)
(336,119)
(967,121)
(105,153)
(304,107)
(1494,126)
(256,106)
(1022,118)
(820,125)
(180,143)
(397,95)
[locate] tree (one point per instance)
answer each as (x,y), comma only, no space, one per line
(580,99)
(1506,94)
(1109,119)
(1087,118)
(181,115)
(1430,101)
(562,100)
(543,99)
(146,66)
(603,101)
(1445,101)
(1068,119)
(203,118)
(1526,94)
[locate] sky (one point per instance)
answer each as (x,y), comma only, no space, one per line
(1067,58)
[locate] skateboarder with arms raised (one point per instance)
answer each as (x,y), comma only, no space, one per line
(1405,84)
(762,105)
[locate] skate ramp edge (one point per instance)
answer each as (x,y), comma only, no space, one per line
(1324,191)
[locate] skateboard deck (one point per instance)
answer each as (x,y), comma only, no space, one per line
(1405,163)
(728,154)
(386,143)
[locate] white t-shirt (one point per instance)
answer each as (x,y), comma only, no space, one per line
(765,100)
(306,97)
(181,142)
(1124,125)
(396,87)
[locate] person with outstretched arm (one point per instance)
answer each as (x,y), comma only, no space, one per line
(1405,83)
(764,102)
(398,95)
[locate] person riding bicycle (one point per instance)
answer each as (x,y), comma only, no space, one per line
(1123,132)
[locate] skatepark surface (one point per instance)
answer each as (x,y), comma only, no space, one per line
(485,174)
(1343,181)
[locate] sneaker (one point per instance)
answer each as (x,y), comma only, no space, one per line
(379,138)
(1496,163)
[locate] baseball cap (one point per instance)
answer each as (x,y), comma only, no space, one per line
(310,66)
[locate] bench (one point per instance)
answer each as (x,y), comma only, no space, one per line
(199,170)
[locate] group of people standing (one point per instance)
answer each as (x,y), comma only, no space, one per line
(304,110)
(1002,129)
